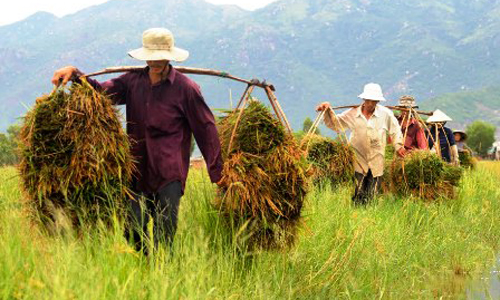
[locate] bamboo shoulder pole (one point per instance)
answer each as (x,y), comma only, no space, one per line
(185,70)
(427,113)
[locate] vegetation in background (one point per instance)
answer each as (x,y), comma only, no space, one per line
(481,136)
(75,157)
(9,146)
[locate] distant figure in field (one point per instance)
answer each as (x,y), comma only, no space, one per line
(164,108)
(413,133)
(496,150)
(441,138)
(460,139)
(370,123)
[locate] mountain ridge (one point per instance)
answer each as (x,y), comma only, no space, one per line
(311,50)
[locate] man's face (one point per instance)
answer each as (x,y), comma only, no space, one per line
(370,104)
(157,66)
(404,114)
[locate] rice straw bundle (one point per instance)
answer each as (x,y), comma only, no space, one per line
(423,174)
(75,157)
(332,160)
(467,160)
(264,179)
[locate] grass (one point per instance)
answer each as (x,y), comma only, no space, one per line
(392,249)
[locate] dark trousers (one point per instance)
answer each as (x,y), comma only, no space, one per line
(366,187)
(162,209)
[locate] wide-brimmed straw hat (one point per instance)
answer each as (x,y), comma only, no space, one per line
(158,44)
(438,117)
(372,91)
(407,101)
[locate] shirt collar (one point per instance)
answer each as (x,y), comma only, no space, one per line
(376,113)
(170,77)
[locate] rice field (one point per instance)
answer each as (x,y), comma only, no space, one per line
(392,249)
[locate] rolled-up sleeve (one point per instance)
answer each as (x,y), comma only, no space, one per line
(115,88)
(202,123)
(336,122)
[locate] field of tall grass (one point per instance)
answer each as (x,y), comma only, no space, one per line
(391,249)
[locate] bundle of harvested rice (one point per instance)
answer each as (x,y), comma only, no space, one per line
(332,161)
(467,160)
(264,179)
(75,157)
(423,174)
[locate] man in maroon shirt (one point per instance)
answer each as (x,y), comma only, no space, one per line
(164,108)
(413,133)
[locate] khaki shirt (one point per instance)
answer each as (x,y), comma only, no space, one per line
(368,137)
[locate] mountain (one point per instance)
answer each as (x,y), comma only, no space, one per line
(311,50)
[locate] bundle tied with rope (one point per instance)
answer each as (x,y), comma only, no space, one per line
(332,161)
(425,175)
(264,178)
(421,173)
(75,157)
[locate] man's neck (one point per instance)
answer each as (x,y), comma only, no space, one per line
(155,78)
(366,112)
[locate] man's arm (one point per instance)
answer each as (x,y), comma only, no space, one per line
(116,88)
(339,123)
(421,139)
(395,133)
(202,123)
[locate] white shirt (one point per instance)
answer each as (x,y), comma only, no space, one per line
(368,137)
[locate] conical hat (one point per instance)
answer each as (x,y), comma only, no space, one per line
(438,116)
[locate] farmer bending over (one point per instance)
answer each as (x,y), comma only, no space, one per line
(164,108)
(369,123)
(413,133)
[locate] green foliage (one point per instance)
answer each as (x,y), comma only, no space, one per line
(481,135)
(306,126)
(75,158)
(9,146)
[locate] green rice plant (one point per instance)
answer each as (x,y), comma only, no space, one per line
(332,161)
(264,179)
(75,157)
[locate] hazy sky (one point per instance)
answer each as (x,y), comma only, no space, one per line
(16,10)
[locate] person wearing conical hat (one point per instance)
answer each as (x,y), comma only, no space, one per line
(413,133)
(370,124)
(441,138)
(460,139)
(164,109)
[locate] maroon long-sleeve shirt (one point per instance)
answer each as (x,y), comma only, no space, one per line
(160,121)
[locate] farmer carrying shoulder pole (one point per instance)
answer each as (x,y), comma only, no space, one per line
(164,108)
(441,138)
(369,124)
(413,133)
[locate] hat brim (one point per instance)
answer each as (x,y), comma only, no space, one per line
(371,97)
(174,54)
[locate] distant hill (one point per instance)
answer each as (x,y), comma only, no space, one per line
(312,50)
(467,106)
